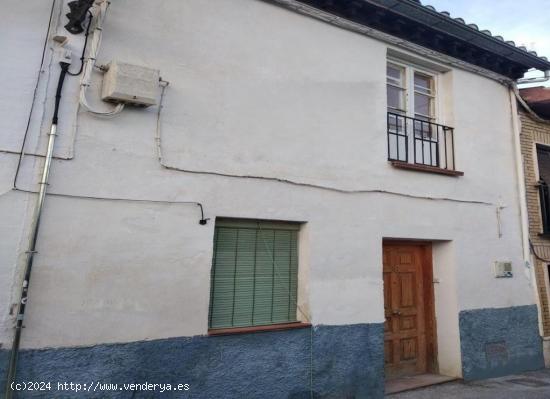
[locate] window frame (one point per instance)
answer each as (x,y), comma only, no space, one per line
(544,219)
(257,225)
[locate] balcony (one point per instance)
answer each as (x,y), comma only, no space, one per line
(418,144)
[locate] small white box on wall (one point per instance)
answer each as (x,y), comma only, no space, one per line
(130,84)
(503,269)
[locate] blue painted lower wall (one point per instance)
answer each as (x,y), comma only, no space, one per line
(497,342)
(345,362)
(348,362)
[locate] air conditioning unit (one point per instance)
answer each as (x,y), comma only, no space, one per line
(503,270)
(130,84)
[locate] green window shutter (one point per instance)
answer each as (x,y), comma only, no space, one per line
(254,274)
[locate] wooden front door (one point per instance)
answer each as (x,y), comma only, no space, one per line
(409,341)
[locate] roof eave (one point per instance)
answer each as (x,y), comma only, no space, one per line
(421,25)
(477,37)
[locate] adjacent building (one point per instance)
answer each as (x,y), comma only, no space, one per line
(326,194)
(535,147)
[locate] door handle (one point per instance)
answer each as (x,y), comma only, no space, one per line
(396,312)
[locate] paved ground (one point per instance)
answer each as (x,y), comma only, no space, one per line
(533,385)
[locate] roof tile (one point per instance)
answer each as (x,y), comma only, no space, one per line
(476,27)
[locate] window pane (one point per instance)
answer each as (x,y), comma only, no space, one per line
(421,129)
(396,124)
(396,98)
(543,158)
(394,73)
(423,105)
(423,84)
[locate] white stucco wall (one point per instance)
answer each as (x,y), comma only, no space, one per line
(254,90)
(23,28)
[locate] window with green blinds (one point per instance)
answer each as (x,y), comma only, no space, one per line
(254,274)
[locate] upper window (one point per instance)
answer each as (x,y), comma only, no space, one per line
(254,274)
(414,136)
(543,158)
(410,92)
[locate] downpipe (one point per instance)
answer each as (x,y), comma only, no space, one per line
(12,367)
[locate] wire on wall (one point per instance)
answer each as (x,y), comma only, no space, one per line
(89,64)
(160,156)
(202,220)
(84,47)
(35,93)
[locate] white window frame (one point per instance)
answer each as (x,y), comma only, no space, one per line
(410,70)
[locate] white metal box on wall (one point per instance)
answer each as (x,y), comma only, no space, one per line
(130,84)
(503,269)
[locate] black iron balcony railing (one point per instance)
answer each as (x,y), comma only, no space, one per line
(420,142)
(544,195)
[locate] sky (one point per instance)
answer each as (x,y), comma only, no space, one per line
(526,22)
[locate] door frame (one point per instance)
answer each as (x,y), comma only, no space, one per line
(428,295)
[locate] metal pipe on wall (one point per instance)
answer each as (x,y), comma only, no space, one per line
(12,366)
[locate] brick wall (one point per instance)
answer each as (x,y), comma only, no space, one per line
(533,132)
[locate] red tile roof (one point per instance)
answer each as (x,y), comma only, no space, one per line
(538,98)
